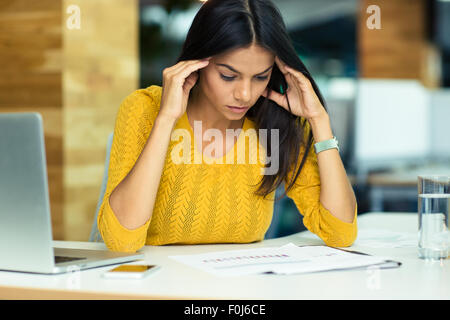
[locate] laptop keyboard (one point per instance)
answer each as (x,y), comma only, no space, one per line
(61,259)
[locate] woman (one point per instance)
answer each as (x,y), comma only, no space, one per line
(237,54)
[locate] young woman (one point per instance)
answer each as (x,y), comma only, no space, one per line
(237,71)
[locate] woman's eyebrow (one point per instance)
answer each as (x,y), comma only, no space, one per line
(234,70)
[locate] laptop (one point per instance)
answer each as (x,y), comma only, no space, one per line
(26,242)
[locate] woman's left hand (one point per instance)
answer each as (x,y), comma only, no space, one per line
(302,97)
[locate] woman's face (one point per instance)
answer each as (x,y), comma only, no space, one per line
(236,79)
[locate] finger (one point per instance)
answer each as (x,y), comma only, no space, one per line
(303,80)
(183,64)
(176,66)
(187,69)
(198,64)
(283,68)
(190,81)
(276,97)
(294,82)
(281,65)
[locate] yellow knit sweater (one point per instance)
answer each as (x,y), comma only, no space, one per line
(204,202)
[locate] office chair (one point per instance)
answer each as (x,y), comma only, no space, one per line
(95,234)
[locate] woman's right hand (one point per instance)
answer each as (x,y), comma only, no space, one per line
(178,81)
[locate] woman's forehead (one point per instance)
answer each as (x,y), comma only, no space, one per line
(246,60)
(254,51)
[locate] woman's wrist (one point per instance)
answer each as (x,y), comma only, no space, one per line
(321,127)
(166,121)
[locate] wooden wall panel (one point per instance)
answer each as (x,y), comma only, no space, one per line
(101,67)
(400,48)
(31,80)
(76,78)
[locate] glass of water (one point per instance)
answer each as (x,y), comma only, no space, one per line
(433,208)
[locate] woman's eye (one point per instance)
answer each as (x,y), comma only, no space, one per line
(227,78)
(232,78)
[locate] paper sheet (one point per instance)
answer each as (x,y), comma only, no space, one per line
(379,238)
(288,259)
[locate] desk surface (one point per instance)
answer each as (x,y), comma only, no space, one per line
(415,279)
(406,177)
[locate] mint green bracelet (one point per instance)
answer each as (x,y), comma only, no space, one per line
(326,144)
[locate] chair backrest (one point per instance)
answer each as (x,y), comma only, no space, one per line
(95,234)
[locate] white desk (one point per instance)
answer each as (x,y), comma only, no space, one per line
(415,279)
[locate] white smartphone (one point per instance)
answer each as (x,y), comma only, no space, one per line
(130,271)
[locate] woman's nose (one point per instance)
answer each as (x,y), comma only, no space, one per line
(243,94)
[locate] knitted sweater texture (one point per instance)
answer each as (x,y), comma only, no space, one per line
(211,201)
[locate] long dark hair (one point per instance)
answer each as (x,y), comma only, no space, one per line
(221,26)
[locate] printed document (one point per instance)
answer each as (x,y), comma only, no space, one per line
(288,259)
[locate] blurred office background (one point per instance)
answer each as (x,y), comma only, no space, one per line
(387,88)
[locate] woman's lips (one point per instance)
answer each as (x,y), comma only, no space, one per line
(237,109)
